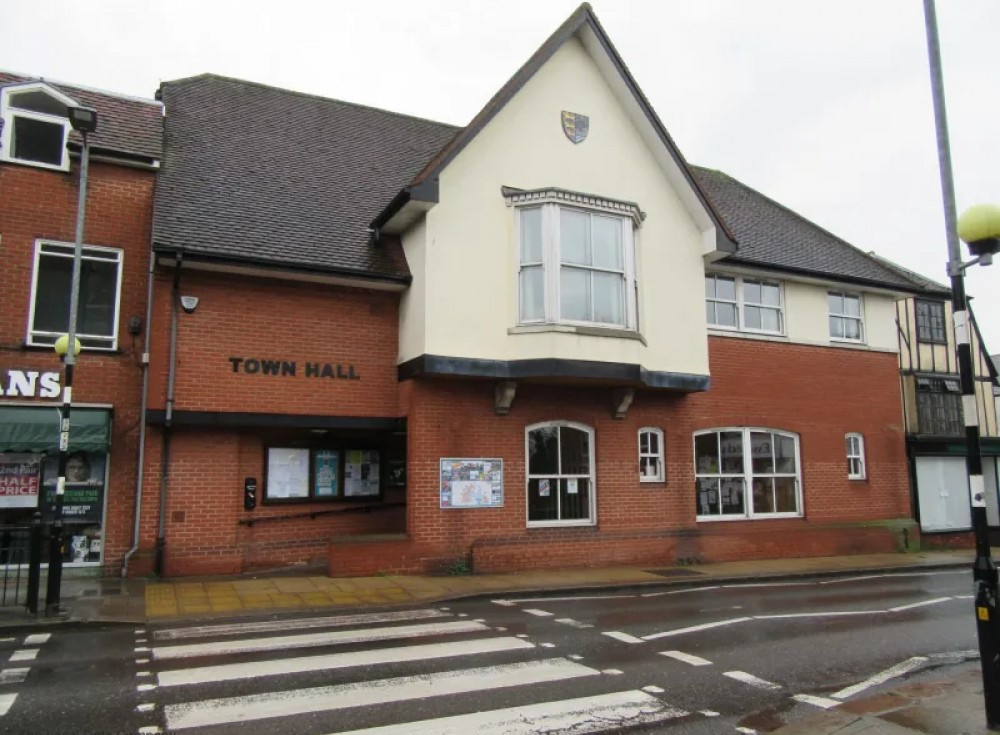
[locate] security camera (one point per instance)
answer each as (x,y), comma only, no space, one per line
(189,304)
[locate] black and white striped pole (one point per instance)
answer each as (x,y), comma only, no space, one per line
(84,121)
(979,227)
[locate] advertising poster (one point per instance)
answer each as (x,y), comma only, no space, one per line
(83,497)
(287,474)
(19,480)
(471,483)
(361,473)
(327,472)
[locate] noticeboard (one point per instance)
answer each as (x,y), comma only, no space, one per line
(471,483)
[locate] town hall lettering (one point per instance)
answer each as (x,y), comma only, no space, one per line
(256,366)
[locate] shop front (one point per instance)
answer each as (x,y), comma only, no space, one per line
(29,468)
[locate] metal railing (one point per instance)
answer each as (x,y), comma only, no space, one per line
(20,564)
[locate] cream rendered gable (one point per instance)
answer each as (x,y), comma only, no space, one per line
(466,252)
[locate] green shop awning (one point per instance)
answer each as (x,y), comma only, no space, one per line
(36,429)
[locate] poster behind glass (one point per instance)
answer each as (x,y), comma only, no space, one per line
(361,473)
(326,470)
(287,474)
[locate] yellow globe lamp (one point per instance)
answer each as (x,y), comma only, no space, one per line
(979,228)
(62,346)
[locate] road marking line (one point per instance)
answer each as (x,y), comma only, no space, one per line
(446,609)
(6,702)
(816,701)
(143,674)
(752,680)
(964,597)
(37,639)
(142,660)
(270,626)
(957,654)
(573,623)
(746,731)
(680,592)
(841,580)
(24,654)
(601,713)
(548,645)
(141,640)
(145,687)
(538,613)
(503,603)
(370,657)
(463,615)
(140,631)
(13,676)
(142,649)
(687,658)
(623,637)
(479,620)
(569,598)
(149,730)
(832,614)
(709,713)
(653,689)
(274,643)
(912,605)
(500,628)
(695,628)
(883,676)
(575,657)
(768,584)
(148,707)
(612,672)
(366,693)
(521,635)
(6,640)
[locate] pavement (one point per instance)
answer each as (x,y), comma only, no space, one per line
(949,702)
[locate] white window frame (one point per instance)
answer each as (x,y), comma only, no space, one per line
(552,263)
(658,455)
(747,474)
(741,303)
(855,446)
(860,319)
(8,113)
(33,334)
(591,477)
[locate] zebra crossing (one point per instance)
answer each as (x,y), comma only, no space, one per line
(418,671)
(21,651)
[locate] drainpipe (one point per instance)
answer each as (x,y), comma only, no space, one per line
(161,533)
(140,472)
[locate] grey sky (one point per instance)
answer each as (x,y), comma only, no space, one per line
(824,106)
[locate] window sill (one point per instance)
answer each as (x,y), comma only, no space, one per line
(747,334)
(728,519)
(561,524)
(582,330)
(25,347)
(36,164)
(654,481)
(848,342)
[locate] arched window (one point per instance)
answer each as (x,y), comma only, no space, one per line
(747,473)
(560,462)
(651,455)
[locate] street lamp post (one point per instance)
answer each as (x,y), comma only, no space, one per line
(84,121)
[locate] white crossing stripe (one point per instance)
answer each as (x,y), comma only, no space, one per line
(573,623)
(695,628)
(150,730)
(270,626)
(13,676)
(6,702)
(613,672)
(539,613)
(370,657)
(37,639)
(653,689)
(377,692)
(709,713)
(623,637)
(912,605)
(24,654)
(147,707)
(752,680)
(816,701)
(364,635)
(687,658)
(503,603)
(883,676)
(6,640)
(603,713)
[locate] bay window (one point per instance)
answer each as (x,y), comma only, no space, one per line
(560,462)
(747,473)
(575,266)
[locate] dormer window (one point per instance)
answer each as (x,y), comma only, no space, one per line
(35,125)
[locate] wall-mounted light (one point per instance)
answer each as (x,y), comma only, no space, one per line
(189,304)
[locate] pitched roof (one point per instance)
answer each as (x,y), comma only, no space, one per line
(773,236)
(266,175)
(582,18)
(125,125)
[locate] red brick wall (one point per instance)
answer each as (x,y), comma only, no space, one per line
(35,204)
(278,320)
(263,319)
(819,393)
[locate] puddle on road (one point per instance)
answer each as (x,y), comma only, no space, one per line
(768,720)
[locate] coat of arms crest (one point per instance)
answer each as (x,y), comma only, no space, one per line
(575,125)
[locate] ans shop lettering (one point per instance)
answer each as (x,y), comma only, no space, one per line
(29,384)
(255,366)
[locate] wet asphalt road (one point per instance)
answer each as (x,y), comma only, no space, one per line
(725,658)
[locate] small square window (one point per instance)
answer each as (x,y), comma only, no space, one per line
(930,322)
